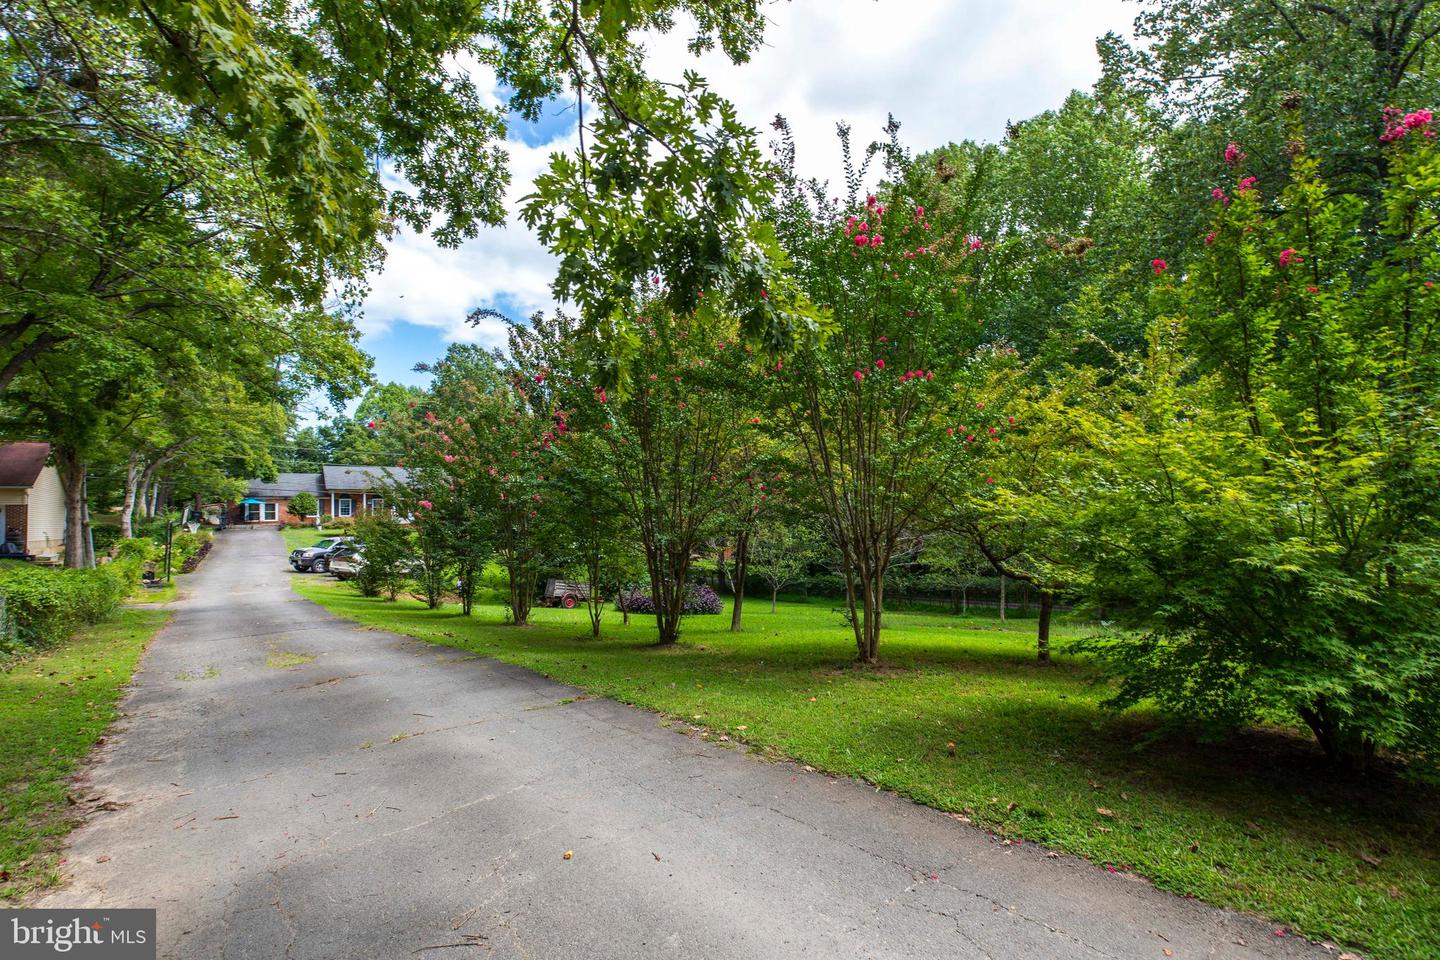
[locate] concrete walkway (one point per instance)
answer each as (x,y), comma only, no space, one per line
(291,785)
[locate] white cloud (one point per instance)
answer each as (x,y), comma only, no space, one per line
(947,70)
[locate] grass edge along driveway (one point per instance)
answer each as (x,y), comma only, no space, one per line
(960,718)
(54,706)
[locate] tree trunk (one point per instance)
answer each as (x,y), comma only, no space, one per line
(774,595)
(1345,747)
(71,468)
(132,489)
(737,585)
(668,569)
(87,532)
(594,603)
(1002,598)
(147,489)
(520,595)
(1042,634)
(872,605)
(964,600)
(467,588)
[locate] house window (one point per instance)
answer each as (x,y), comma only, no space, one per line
(252,512)
(271,511)
(344,507)
(375,503)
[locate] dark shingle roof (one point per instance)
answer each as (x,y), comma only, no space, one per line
(284,485)
(340,476)
(20,463)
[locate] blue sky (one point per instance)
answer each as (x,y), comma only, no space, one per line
(948,70)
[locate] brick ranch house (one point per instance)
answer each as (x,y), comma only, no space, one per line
(342,490)
(32,500)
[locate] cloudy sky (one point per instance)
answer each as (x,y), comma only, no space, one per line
(948,69)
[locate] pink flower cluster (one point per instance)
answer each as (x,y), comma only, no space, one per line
(917,375)
(1245,185)
(1160,266)
(1234,156)
(1219,194)
(1398,125)
(426,504)
(1289,256)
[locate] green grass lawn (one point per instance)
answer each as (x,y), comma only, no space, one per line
(53,707)
(1257,824)
(297,537)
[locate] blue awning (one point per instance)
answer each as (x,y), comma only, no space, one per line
(251,500)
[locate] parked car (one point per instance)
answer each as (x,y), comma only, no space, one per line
(317,558)
(346,562)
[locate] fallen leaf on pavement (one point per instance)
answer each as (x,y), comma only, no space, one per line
(656,856)
(1168,952)
(569,854)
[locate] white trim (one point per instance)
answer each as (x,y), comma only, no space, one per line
(345,507)
(270,511)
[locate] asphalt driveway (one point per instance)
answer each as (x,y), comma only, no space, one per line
(287,784)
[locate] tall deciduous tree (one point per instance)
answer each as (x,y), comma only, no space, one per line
(882,405)
(1262,499)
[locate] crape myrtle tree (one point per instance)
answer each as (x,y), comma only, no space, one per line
(480,466)
(880,403)
(677,438)
(597,532)
(425,498)
(1262,501)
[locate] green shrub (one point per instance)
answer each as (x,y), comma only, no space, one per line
(388,551)
(184,546)
(304,504)
(44,605)
(142,549)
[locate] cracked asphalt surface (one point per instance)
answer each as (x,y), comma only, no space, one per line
(291,785)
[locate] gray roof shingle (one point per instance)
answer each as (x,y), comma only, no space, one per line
(340,476)
(284,485)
